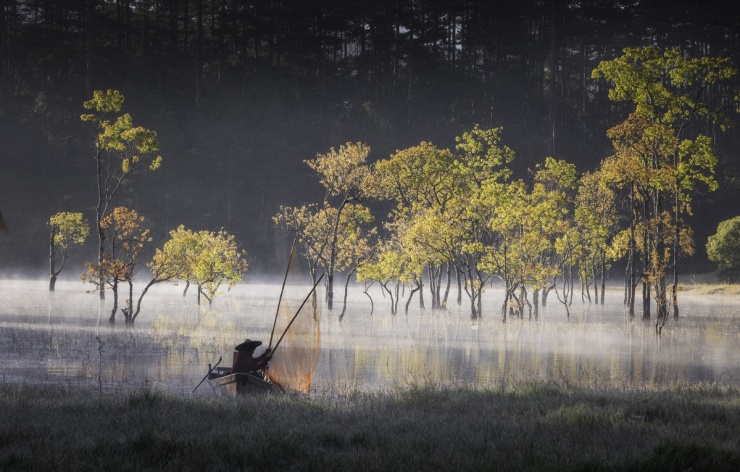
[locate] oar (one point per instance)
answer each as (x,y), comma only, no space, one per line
(277,310)
(209,373)
(297,312)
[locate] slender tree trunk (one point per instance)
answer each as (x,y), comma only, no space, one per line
(459,286)
(658,265)
(449,281)
(480,299)
(372,304)
(631,276)
(647,263)
(141,297)
(432,284)
(129,311)
(390,294)
(509,288)
(596,285)
(411,295)
(52,260)
(545,293)
(113,311)
(524,300)
(438,292)
(346,289)
(603,277)
(333,258)
(99,214)
(676,247)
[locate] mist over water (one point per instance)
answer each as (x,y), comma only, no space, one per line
(65,338)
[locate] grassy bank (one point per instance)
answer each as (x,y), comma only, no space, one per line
(711,289)
(525,427)
(707,284)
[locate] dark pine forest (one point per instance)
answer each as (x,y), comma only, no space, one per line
(240,92)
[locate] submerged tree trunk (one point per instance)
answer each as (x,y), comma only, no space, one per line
(128,311)
(411,295)
(390,293)
(459,286)
(346,289)
(372,305)
(113,311)
(631,276)
(676,247)
(603,277)
(333,257)
(646,268)
(545,293)
(52,261)
(141,297)
(449,281)
(658,265)
(596,292)
(99,211)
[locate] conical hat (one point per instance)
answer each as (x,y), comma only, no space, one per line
(248,345)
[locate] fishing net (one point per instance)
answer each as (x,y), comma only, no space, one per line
(297,354)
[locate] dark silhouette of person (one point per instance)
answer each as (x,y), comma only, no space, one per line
(244,362)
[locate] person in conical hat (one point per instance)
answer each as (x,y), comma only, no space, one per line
(245,363)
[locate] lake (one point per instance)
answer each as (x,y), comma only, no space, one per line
(65,338)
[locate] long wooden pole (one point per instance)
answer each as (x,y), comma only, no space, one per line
(277,310)
(209,373)
(298,312)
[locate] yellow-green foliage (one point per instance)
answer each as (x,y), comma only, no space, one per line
(205,258)
(69,228)
(134,147)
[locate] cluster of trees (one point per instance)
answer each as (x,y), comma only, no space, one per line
(461,210)
(206,259)
(232,85)
(121,151)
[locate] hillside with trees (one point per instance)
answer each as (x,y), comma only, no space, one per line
(241,93)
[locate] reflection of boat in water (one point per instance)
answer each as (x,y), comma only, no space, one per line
(223,382)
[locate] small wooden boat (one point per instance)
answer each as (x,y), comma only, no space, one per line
(223,382)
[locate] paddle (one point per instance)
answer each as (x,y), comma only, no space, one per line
(210,369)
(297,312)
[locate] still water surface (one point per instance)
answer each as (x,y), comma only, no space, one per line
(65,338)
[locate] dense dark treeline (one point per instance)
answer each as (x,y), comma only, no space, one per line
(241,92)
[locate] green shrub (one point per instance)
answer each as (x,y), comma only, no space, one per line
(724,249)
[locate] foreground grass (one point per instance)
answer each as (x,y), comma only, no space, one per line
(528,427)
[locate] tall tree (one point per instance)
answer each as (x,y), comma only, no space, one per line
(66,229)
(668,92)
(120,151)
(344,173)
(126,236)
